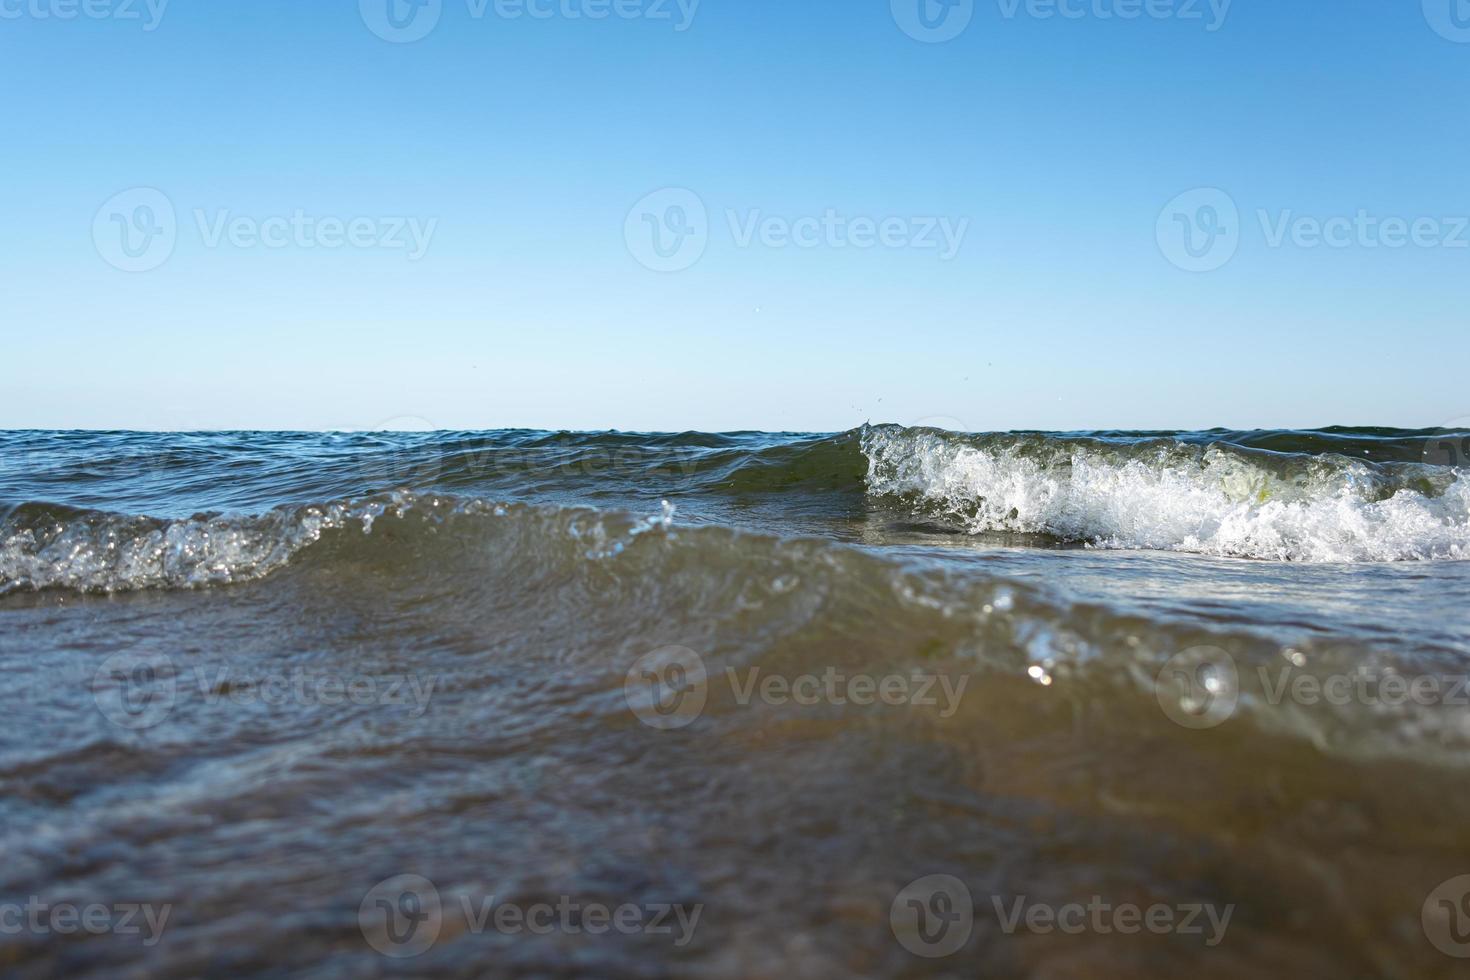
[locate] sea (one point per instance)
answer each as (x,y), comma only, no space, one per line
(891,702)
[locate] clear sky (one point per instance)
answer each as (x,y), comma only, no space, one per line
(885,210)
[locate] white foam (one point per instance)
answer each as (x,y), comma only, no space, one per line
(1171,497)
(107,553)
(100,552)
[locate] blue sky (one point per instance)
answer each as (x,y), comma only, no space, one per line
(815,150)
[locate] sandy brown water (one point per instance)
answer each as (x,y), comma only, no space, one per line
(789,729)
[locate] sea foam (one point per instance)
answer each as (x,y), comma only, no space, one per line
(1170,496)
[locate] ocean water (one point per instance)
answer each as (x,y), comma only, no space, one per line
(890,702)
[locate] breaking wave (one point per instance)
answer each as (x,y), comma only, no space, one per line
(735,589)
(49,547)
(1170,495)
(1333,496)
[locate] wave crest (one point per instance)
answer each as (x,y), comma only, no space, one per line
(1166,495)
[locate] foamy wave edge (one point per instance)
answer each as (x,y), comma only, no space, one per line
(1168,496)
(100,552)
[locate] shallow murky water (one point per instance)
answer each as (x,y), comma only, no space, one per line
(888,703)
